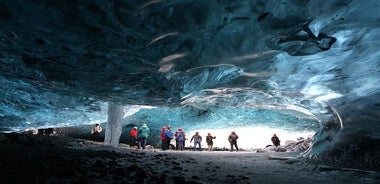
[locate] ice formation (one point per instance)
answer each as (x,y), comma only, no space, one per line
(306,65)
(113,130)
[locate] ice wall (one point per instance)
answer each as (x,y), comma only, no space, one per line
(284,60)
(113,130)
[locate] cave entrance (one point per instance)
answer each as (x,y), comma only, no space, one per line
(252,137)
(255,127)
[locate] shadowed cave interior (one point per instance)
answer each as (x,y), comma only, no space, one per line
(298,66)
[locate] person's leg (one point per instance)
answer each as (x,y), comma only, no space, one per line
(232,148)
(143,143)
(139,143)
(180,145)
(200,147)
(170,145)
(133,139)
(164,144)
(237,149)
(96,137)
(195,145)
(167,143)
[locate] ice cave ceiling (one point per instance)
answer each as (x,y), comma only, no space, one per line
(304,60)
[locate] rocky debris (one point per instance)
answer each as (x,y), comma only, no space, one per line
(302,144)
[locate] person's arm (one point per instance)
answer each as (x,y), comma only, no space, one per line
(192,138)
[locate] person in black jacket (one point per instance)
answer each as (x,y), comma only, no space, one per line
(209,141)
(233,140)
(275,140)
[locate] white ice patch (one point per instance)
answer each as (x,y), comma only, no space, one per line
(320,93)
(249,137)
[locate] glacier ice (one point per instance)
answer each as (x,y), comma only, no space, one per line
(293,64)
(113,129)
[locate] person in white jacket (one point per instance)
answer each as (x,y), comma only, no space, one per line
(95,131)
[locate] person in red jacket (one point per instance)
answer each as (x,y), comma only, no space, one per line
(133,134)
(162,137)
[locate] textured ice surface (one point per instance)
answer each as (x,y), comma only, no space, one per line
(294,64)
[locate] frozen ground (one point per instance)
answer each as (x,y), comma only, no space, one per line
(55,159)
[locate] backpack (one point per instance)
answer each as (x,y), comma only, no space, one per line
(143,132)
(169,134)
(180,136)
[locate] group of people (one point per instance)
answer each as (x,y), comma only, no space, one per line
(166,136)
(139,138)
(138,135)
(179,136)
(232,138)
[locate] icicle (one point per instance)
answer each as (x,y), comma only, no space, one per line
(113,128)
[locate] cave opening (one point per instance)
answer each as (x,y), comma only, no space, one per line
(254,127)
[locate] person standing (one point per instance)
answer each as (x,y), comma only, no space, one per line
(197,140)
(180,139)
(162,137)
(209,140)
(232,138)
(175,138)
(275,140)
(143,134)
(168,137)
(95,131)
(133,134)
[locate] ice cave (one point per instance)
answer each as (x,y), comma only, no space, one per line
(291,67)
